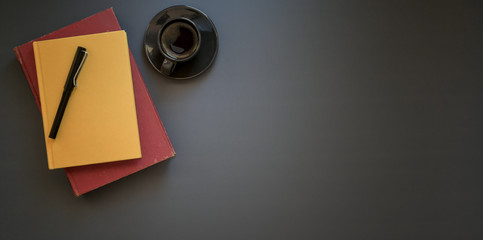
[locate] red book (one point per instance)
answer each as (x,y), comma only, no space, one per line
(155,144)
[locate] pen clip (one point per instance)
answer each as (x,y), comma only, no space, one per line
(79,68)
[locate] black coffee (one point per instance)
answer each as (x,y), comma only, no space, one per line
(179,40)
(183,42)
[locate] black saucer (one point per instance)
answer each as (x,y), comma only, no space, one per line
(207,50)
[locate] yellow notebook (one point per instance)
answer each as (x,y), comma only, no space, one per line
(99,124)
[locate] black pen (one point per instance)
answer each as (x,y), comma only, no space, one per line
(70,83)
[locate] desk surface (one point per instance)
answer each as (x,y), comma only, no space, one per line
(318,120)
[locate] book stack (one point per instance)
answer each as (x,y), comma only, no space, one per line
(110,128)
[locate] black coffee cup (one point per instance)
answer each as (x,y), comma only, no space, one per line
(179,41)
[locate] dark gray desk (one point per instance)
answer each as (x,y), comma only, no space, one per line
(318,120)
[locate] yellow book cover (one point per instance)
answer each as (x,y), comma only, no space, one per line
(99,124)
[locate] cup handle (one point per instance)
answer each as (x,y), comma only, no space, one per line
(168,66)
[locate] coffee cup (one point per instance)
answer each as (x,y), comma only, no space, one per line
(179,41)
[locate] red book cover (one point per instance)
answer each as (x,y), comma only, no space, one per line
(155,144)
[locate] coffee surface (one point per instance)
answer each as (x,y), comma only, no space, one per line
(183,42)
(179,40)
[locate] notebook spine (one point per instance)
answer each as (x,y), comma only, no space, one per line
(38,64)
